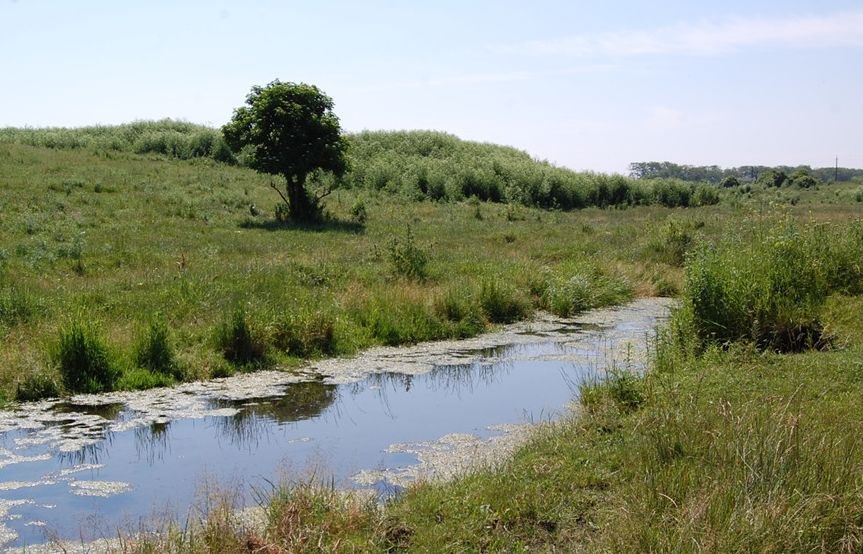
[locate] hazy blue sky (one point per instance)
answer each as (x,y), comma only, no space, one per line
(590,85)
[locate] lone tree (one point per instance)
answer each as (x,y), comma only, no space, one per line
(289,129)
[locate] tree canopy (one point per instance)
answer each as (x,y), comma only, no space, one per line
(289,129)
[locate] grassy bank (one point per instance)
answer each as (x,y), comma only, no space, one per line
(726,445)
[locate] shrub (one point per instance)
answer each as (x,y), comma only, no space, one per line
(671,193)
(729,182)
(704,195)
(663,285)
(803,179)
(771,292)
(359,214)
(238,342)
(221,152)
(86,363)
(154,350)
(408,259)
(670,242)
(772,178)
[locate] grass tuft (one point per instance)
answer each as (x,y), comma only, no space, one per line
(239,343)
(501,302)
(155,351)
(305,335)
(17,305)
(36,386)
(86,364)
(407,258)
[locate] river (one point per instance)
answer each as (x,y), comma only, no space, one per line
(81,469)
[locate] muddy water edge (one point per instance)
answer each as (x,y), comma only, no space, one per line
(81,468)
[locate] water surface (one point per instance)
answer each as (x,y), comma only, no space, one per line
(80,469)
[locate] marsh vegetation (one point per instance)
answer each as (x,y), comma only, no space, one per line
(128,265)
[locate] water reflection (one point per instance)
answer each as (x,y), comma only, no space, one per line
(108,412)
(162,445)
(151,442)
(251,423)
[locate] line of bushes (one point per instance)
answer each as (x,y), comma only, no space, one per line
(438,166)
(175,139)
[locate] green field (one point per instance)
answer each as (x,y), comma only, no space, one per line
(163,266)
(95,232)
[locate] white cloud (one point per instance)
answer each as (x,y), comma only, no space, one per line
(710,37)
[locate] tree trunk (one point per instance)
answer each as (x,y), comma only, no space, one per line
(300,205)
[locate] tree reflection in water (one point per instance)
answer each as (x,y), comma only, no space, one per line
(301,401)
(109,411)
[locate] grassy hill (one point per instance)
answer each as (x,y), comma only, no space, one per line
(416,164)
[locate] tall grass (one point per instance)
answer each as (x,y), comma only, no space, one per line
(240,342)
(438,166)
(770,291)
(155,350)
(86,363)
(175,139)
(17,305)
(416,164)
(732,451)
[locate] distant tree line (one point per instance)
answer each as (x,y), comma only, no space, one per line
(743,174)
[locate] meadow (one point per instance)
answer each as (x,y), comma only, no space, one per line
(163,269)
(130,268)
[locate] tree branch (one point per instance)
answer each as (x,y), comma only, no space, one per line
(276,188)
(327,192)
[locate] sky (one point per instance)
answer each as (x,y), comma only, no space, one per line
(583,84)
